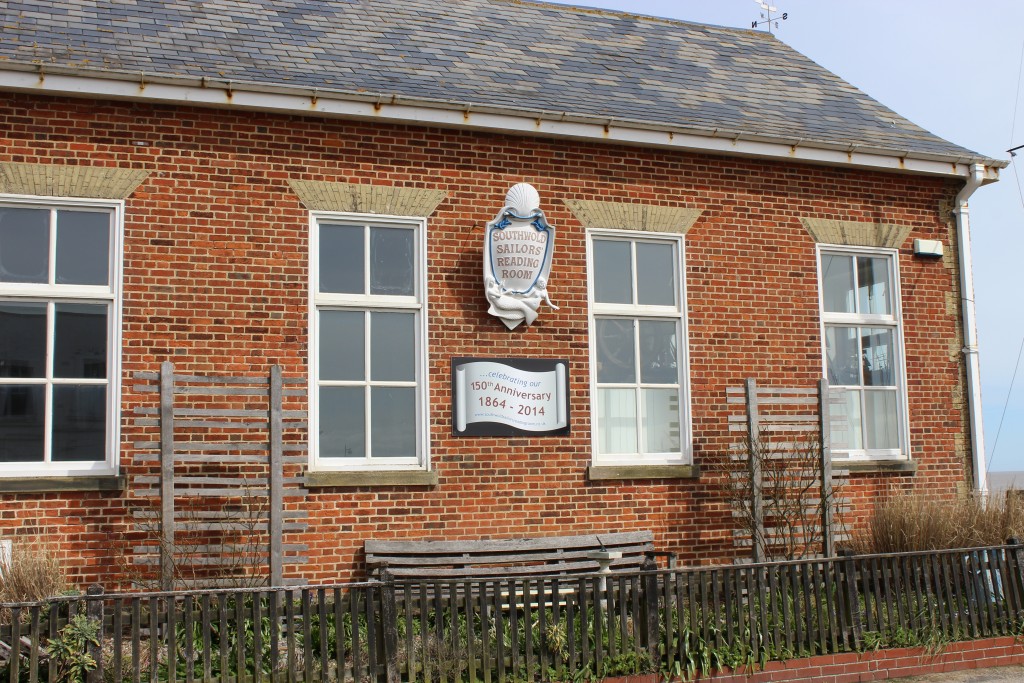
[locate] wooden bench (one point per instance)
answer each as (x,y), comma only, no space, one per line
(512,557)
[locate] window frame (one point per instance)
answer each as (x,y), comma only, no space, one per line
(678,313)
(318,301)
(893,321)
(52,294)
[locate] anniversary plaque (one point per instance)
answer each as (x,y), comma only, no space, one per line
(510,396)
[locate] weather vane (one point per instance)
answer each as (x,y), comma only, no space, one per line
(766,15)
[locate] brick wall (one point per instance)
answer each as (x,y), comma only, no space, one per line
(881,665)
(215,279)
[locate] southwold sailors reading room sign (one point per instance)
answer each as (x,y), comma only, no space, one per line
(518,246)
(509,396)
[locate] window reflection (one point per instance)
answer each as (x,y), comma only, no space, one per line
(873,285)
(877,357)
(24,244)
(658,354)
(391,261)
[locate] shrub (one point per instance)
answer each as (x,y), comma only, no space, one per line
(781,509)
(909,522)
(33,573)
(69,651)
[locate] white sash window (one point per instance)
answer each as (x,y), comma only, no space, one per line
(862,337)
(60,265)
(367,343)
(640,401)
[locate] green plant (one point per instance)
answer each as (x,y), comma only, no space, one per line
(68,652)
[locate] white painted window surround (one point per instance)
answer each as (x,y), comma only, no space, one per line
(638,349)
(368,308)
(60,335)
(863,351)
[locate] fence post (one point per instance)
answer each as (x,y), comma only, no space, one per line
(166,476)
(825,465)
(649,581)
(94,612)
(276,477)
(756,475)
(1015,553)
(849,587)
(389,617)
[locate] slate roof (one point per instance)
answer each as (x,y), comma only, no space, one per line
(519,55)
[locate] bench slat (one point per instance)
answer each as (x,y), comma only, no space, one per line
(497,558)
(507,557)
(513,571)
(508,545)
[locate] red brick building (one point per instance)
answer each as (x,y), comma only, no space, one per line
(266,184)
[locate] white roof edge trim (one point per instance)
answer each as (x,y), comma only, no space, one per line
(225,94)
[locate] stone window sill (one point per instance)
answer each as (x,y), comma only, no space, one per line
(605,472)
(56,483)
(876,466)
(384,478)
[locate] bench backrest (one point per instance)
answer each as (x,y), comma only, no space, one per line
(507,557)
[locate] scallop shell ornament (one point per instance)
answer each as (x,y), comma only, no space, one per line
(523,198)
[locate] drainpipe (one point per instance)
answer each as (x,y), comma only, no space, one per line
(963,234)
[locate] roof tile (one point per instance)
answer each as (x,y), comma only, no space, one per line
(583,62)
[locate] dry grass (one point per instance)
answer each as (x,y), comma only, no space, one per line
(33,574)
(909,522)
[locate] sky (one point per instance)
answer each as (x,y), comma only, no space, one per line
(953,68)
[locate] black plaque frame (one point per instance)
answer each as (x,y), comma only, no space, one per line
(497,428)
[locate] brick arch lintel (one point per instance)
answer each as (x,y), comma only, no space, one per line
(631,216)
(319,195)
(62,180)
(856,233)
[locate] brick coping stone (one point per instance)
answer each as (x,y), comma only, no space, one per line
(856,667)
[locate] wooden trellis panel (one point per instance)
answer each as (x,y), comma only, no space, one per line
(218,504)
(785,422)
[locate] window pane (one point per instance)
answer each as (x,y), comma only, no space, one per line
(837,287)
(881,419)
(655,274)
(879,357)
(843,355)
(661,420)
(341,345)
(613,272)
(341,259)
(83,248)
(393,422)
(615,352)
(391,261)
(392,347)
(658,352)
(79,423)
(22,339)
(616,421)
(342,422)
(24,245)
(873,285)
(844,417)
(80,344)
(21,423)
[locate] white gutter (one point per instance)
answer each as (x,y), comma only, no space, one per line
(963,232)
(189,91)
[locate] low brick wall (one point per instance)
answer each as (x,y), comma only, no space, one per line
(869,666)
